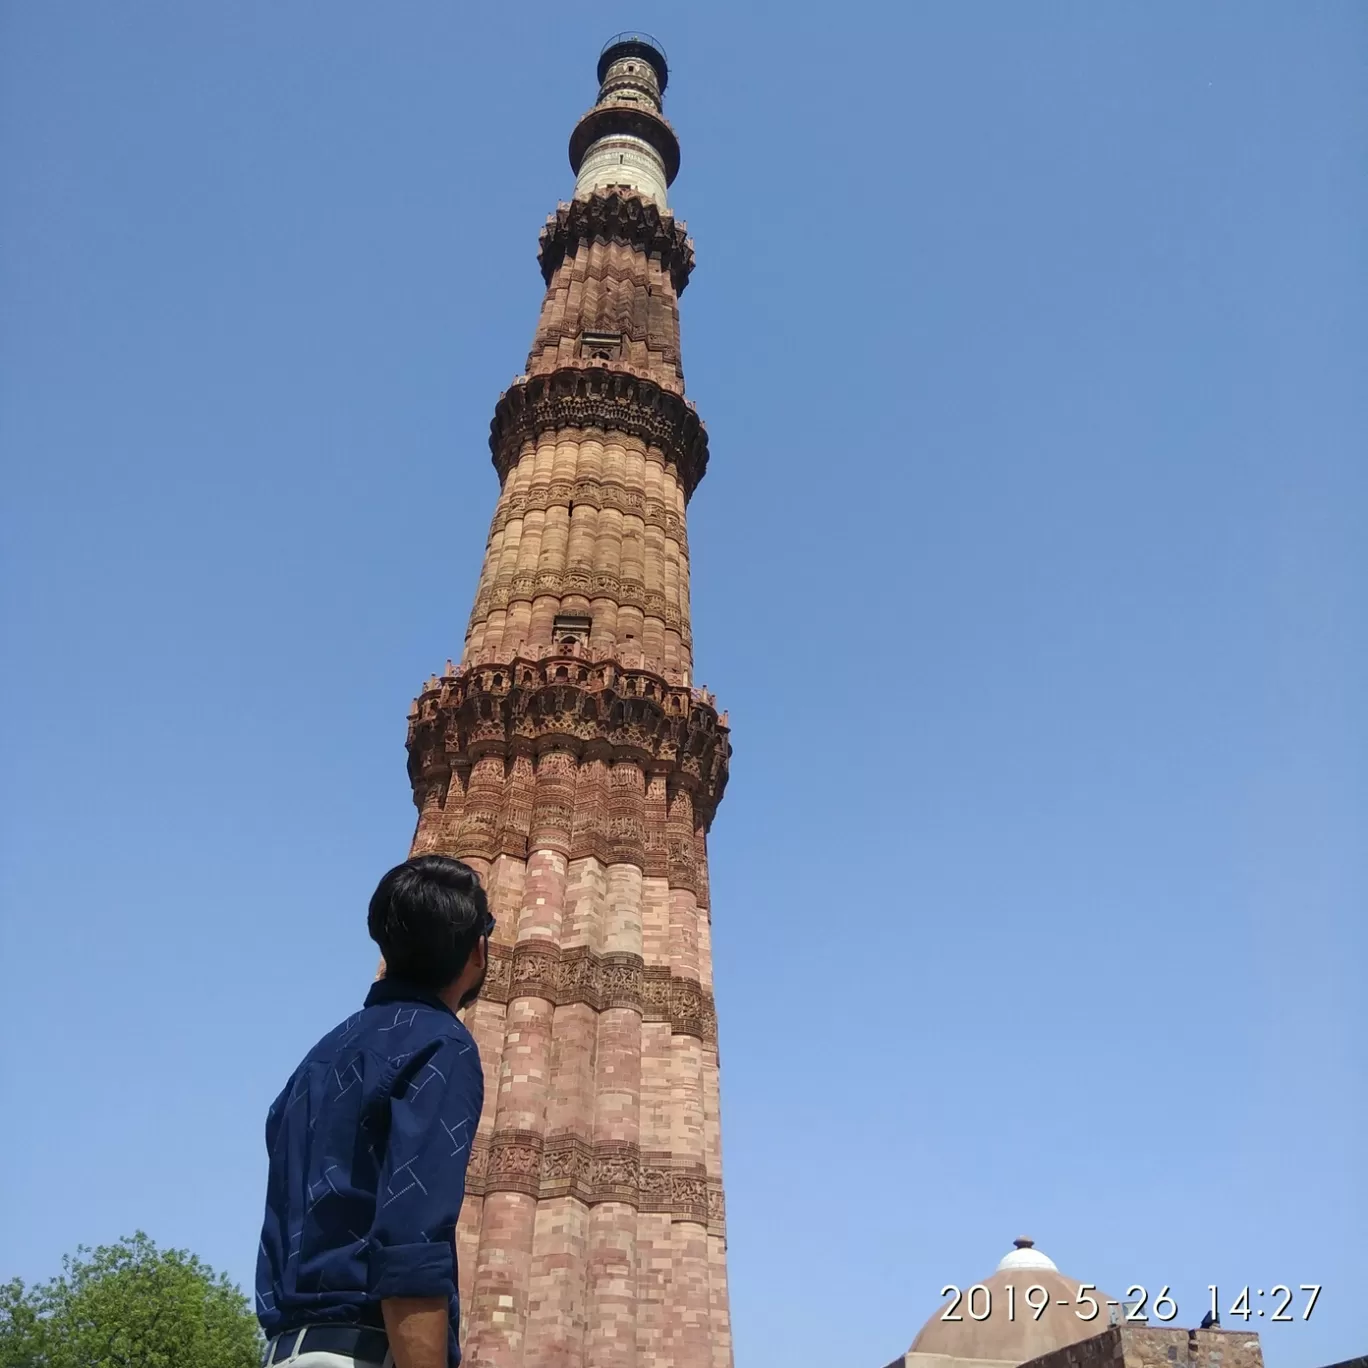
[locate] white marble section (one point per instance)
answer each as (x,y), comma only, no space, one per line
(1026,1257)
(622,160)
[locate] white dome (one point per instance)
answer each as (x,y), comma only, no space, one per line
(1003,1338)
(1026,1255)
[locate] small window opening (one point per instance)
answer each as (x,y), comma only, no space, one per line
(601,346)
(571,630)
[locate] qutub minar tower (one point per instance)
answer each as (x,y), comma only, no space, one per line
(571,761)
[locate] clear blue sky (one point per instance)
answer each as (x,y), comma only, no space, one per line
(1030,563)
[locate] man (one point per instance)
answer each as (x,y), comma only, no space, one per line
(369,1142)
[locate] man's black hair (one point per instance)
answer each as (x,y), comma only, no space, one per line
(427,915)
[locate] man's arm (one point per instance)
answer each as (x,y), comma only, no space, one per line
(417,1330)
(434,1110)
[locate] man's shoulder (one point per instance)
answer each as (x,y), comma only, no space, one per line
(384,1046)
(391,1028)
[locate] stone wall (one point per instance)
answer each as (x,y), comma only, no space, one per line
(1127,1346)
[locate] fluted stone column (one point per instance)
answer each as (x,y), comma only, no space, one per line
(570,760)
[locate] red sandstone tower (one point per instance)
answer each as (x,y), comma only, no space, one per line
(570,760)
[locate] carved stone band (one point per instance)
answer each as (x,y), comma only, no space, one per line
(608,400)
(568,1165)
(598,494)
(540,968)
(617,216)
(565,703)
(527,586)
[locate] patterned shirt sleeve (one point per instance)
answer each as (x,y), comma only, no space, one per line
(434,1109)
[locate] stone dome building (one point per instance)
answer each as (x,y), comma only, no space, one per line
(997,1326)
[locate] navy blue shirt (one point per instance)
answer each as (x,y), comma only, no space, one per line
(368,1145)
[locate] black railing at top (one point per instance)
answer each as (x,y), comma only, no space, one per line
(650,49)
(644,39)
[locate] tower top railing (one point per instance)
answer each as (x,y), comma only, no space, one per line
(648,48)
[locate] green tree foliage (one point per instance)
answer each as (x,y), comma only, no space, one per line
(128,1305)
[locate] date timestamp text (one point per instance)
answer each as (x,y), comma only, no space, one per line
(976,1303)
(1280,1298)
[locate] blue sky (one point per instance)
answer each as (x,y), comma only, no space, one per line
(1031,341)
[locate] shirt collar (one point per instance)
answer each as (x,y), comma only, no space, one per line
(400,990)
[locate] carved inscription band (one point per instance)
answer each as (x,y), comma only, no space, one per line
(599,494)
(567,1165)
(527,586)
(540,968)
(611,401)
